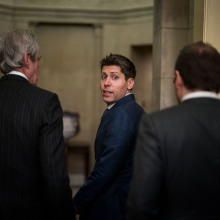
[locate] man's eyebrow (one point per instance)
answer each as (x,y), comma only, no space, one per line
(114,72)
(110,72)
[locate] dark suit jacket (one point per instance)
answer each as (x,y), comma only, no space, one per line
(177,163)
(33,181)
(104,194)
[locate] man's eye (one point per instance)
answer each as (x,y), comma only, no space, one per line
(115,77)
(103,77)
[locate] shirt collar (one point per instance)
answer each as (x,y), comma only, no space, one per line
(200,94)
(18,74)
(110,106)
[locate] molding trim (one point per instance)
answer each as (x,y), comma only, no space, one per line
(87,16)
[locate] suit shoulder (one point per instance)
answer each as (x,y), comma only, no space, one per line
(165,111)
(165,116)
(128,111)
(130,106)
(40,91)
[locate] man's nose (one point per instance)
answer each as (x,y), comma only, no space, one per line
(107,81)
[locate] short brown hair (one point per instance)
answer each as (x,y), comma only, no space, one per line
(127,67)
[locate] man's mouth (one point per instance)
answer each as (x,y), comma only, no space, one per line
(106,92)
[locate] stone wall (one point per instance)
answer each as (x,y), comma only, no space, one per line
(74,35)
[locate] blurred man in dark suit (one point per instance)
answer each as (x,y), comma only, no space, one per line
(104,194)
(33,180)
(177,159)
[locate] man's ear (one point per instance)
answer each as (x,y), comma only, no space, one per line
(26,59)
(130,83)
(178,79)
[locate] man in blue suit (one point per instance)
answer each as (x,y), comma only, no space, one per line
(103,196)
(177,158)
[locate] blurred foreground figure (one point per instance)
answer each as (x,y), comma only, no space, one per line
(33,180)
(177,159)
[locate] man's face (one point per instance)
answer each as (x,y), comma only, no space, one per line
(34,71)
(113,84)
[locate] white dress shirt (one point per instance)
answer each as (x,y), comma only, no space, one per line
(18,74)
(200,94)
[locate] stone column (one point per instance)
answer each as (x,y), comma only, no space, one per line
(97,107)
(173,29)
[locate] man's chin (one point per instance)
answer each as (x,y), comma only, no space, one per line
(108,102)
(106,99)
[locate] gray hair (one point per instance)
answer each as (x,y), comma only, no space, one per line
(13,46)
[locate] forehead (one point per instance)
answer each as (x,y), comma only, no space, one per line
(111,69)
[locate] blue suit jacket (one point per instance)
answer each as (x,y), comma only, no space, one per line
(104,194)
